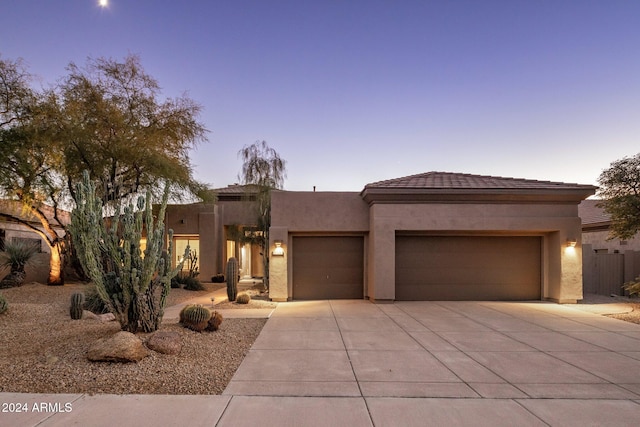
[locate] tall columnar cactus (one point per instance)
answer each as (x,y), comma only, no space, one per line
(4,305)
(232,279)
(133,287)
(77,305)
(195,317)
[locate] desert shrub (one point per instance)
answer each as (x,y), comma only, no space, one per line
(4,305)
(218,278)
(214,322)
(93,302)
(16,256)
(243,298)
(188,282)
(633,287)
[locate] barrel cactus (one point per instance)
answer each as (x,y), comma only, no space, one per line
(243,298)
(195,317)
(232,278)
(77,305)
(214,322)
(4,305)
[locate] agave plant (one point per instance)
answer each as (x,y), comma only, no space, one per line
(16,255)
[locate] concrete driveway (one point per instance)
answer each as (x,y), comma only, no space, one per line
(354,363)
(441,363)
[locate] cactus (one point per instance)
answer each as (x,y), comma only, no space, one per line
(232,278)
(77,305)
(195,317)
(214,322)
(133,285)
(4,305)
(243,298)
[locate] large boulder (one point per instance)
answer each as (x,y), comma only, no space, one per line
(165,342)
(121,347)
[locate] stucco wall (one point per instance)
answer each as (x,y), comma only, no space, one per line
(319,211)
(207,221)
(562,278)
(599,240)
(322,213)
(309,213)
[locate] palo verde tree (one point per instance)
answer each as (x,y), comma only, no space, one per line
(114,126)
(263,170)
(106,118)
(133,284)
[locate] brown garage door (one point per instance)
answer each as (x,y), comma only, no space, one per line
(328,267)
(468,268)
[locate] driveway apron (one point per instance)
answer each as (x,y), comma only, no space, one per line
(409,360)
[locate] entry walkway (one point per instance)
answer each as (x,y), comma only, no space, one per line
(328,363)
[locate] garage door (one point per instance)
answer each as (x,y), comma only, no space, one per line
(468,268)
(328,267)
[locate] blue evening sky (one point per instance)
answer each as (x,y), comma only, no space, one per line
(351,92)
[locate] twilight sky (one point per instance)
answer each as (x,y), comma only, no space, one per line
(352,92)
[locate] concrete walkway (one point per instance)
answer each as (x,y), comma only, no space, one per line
(354,363)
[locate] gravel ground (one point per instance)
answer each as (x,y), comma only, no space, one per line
(43,351)
(258,300)
(633,316)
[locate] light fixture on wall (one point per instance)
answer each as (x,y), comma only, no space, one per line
(571,243)
(279,250)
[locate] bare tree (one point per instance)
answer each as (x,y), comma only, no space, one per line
(263,170)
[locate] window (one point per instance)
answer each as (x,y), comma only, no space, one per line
(180,244)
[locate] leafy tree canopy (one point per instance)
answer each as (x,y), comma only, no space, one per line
(105,117)
(114,125)
(620,191)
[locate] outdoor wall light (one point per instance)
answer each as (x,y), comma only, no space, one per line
(279,250)
(571,243)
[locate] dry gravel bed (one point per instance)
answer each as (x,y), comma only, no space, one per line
(43,351)
(632,316)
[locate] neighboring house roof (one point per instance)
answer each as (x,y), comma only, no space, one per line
(441,186)
(15,209)
(594,218)
(235,192)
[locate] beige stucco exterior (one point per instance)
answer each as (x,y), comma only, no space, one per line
(38,269)
(551,215)
(206,223)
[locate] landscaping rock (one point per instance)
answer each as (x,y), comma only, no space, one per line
(165,342)
(122,347)
(106,317)
(88,315)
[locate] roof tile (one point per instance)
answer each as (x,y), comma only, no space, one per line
(449,180)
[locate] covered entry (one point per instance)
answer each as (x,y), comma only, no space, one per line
(328,267)
(477,268)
